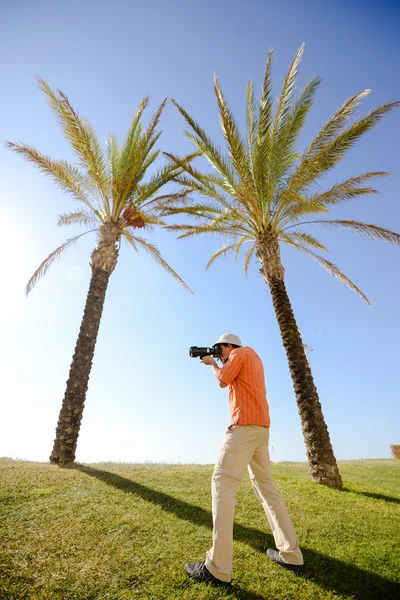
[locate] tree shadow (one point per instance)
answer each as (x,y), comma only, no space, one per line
(372,495)
(330,573)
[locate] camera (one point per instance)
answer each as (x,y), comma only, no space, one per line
(200,351)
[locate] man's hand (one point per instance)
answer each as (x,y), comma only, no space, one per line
(208,360)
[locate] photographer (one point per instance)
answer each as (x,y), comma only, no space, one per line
(245,445)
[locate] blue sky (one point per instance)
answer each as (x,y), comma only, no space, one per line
(147,400)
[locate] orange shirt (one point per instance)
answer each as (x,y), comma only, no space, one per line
(244,373)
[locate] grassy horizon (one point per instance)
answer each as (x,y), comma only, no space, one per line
(118,531)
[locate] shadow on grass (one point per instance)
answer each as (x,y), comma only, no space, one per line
(331,574)
(372,495)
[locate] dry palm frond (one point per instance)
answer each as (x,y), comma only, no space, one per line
(330,267)
(220,229)
(46,264)
(80,217)
(199,211)
(247,258)
(238,245)
(155,253)
(221,252)
(304,238)
(235,248)
(167,200)
(367,229)
(67,177)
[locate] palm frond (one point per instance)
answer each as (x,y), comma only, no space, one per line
(113,155)
(295,206)
(275,164)
(153,218)
(265,110)
(236,147)
(203,184)
(247,259)
(286,98)
(221,252)
(191,230)
(331,268)
(80,135)
(201,211)
(252,121)
(164,175)
(67,177)
(208,148)
(166,201)
(304,238)
(252,127)
(130,240)
(367,229)
(336,123)
(285,155)
(238,245)
(150,158)
(80,217)
(155,253)
(136,156)
(46,264)
(264,140)
(198,180)
(133,133)
(143,155)
(319,163)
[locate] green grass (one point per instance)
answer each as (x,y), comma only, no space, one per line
(122,532)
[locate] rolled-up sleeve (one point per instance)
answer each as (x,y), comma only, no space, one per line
(231,368)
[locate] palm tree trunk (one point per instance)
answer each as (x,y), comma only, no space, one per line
(104,260)
(321,459)
(69,421)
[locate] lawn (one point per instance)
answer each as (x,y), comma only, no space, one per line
(124,531)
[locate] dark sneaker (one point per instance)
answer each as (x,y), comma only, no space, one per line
(276,557)
(200,572)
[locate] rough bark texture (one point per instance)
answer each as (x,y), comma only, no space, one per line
(321,460)
(104,259)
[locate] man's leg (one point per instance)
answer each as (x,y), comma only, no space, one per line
(235,454)
(281,525)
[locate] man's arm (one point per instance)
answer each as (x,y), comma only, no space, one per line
(208,360)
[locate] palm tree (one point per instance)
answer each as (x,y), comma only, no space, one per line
(263,194)
(116,204)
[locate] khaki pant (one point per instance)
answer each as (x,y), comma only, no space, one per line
(246,446)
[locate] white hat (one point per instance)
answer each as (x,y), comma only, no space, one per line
(229,338)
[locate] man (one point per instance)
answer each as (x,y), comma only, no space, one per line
(245,445)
